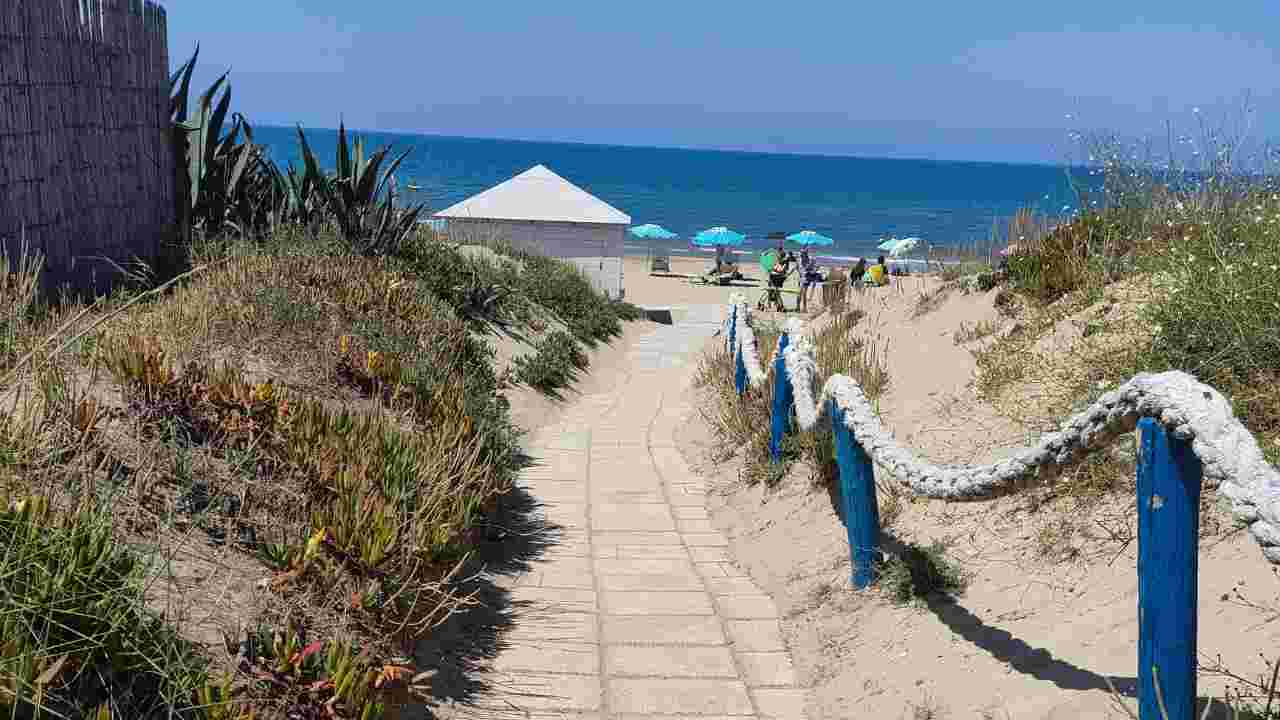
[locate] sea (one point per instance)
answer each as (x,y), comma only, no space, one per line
(856,201)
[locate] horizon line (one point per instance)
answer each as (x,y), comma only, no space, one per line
(684,148)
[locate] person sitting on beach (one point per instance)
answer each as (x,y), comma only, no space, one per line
(855,275)
(809,276)
(877,274)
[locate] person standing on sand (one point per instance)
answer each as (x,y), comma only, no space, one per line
(855,277)
(778,274)
(809,276)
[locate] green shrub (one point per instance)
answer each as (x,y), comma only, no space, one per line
(556,360)
(74,633)
(561,287)
(918,572)
(1221,289)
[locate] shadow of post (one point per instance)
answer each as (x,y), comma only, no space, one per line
(1022,657)
(1034,662)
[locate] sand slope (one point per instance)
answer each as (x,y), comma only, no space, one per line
(1047,619)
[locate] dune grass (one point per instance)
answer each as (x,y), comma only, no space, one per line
(742,425)
(247,492)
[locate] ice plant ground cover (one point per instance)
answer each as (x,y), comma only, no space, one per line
(254,487)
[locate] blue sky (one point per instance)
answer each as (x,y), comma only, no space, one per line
(999,81)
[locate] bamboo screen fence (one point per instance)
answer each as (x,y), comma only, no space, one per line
(86,165)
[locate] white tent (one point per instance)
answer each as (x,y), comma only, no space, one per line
(541,211)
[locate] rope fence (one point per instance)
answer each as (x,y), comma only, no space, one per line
(1188,437)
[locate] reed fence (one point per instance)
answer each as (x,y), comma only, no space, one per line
(86,166)
(1188,437)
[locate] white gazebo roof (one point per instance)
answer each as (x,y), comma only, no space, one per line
(537,194)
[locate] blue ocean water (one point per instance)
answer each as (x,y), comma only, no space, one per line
(856,201)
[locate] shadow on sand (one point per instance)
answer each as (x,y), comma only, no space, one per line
(460,648)
(1019,655)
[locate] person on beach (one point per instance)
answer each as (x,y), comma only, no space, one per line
(855,277)
(878,273)
(809,276)
(778,274)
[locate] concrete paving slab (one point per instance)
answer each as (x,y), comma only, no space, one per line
(663,630)
(779,702)
(755,635)
(550,657)
(649,517)
(688,582)
(560,599)
(553,692)
(666,696)
(722,585)
(773,668)
(626,602)
(746,607)
(645,566)
(670,661)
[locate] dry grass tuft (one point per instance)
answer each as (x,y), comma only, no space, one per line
(968,333)
(927,301)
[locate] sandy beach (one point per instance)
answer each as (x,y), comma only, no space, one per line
(674,288)
(1042,629)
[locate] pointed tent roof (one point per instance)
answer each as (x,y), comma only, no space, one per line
(537,194)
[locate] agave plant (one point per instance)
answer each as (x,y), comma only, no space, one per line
(361,195)
(297,196)
(223,179)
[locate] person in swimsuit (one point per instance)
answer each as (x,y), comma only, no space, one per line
(855,276)
(809,276)
(778,275)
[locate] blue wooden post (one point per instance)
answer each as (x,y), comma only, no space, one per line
(739,373)
(733,330)
(1169,477)
(783,402)
(858,500)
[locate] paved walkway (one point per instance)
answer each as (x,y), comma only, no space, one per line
(639,611)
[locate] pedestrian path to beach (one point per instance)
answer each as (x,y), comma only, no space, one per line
(639,611)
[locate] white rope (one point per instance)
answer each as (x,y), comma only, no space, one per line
(745,338)
(1188,409)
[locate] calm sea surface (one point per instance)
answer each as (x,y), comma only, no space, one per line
(856,201)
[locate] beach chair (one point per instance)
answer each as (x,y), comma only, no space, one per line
(660,263)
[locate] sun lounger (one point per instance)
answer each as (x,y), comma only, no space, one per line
(660,263)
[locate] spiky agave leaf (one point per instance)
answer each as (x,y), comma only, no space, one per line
(182,79)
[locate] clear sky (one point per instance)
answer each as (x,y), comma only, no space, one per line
(981,80)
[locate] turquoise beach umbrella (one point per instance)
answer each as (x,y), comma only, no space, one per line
(718,236)
(904,246)
(656,232)
(809,237)
(888,245)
